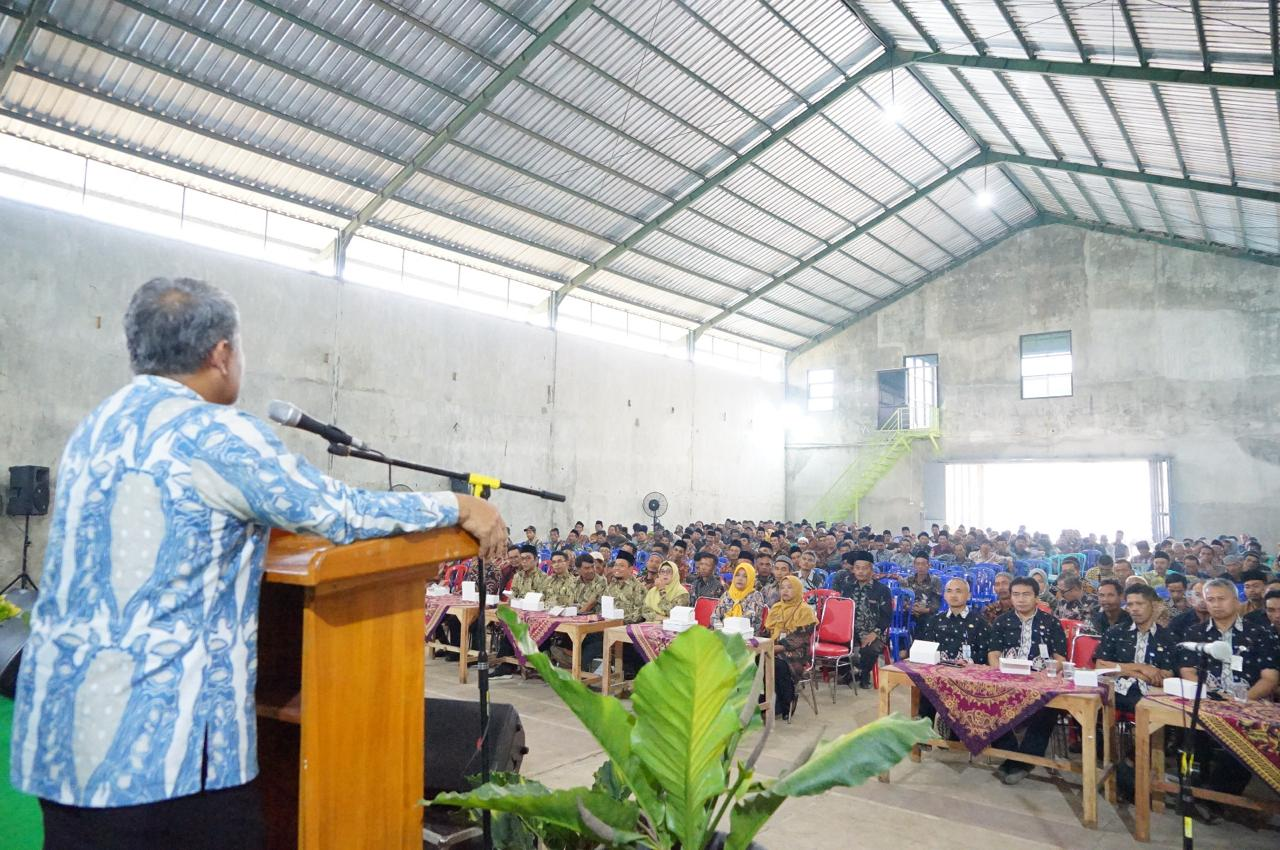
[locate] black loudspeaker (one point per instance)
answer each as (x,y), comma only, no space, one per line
(28,491)
(452,728)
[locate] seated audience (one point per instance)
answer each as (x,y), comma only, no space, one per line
(667,593)
(810,576)
(1002,605)
(1141,649)
(1026,632)
(707,581)
(926,587)
(741,599)
(560,587)
(791,624)
(1110,607)
(528,578)
(1252,673)
(1073,602)
(872,611)
(1255,586)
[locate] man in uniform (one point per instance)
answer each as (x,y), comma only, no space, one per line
(560,587)
(872,612)
(1142,649)
(927,588)
(1110,611)
(1027,633)
(1254,668)
(528,578)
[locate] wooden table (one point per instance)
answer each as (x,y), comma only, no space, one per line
(575,632)
(1150,718)
(615,637)
(467,613)
(1084,707)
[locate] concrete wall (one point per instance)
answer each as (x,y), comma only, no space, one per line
(445,386)
(1176,353)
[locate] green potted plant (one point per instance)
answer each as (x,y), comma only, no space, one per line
(673,772)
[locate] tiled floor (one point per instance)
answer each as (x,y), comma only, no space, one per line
(943,802)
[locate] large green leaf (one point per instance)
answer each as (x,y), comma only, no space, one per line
(849,760)
(686,703)
(558,808)
(604,716)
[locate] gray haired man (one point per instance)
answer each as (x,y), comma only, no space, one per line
(134,721)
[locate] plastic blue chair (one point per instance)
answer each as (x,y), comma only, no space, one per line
(891,583)
(1240,591)
(1091,557)
(1163,592)
(831,579)
(1022,568)
(900,627)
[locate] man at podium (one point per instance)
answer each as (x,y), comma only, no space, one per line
(134,721)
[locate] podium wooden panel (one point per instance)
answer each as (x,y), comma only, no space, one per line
(340,688)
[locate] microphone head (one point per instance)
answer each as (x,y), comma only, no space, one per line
(1219,649)
(284,413)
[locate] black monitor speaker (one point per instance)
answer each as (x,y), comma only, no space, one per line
(28,491)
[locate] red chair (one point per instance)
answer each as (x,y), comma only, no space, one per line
(1072,628)
(703,608)
(818,599)
(453,577)
(1082,651)
(834,647)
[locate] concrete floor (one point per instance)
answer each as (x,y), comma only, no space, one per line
(943,802)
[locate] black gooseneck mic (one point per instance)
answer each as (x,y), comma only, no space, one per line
(292,415)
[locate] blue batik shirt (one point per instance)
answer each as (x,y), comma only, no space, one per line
(139,675)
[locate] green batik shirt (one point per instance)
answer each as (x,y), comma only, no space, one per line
(559,591)
(533,581)
(628,594)
(589,593)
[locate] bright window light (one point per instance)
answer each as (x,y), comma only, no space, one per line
(821,390)
(1048,496)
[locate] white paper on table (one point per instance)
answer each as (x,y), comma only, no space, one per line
(569,611)
(1016,666)
(1176,687)
(924,652)
(681,614)
(1089,678)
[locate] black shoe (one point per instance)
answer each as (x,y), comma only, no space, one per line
(504,671)
(1208,813)
(1015,774)
(864,682)
(845,679)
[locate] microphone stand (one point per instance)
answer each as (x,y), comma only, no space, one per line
(1185,798)
(482,487)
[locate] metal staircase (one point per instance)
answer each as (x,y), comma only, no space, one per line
(874,457)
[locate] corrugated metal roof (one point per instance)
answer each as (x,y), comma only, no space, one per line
(708,150)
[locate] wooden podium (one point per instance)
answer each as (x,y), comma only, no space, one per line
(340,688)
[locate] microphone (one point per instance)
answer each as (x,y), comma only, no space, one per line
(1219,649)
(291,415)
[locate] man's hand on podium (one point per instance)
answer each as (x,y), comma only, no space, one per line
(483,522)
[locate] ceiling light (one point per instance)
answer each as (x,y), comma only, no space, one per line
(983,199)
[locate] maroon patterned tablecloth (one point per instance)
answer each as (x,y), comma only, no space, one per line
(542,625)
(438,606)
(1249,730)
(650,639)
(980,703)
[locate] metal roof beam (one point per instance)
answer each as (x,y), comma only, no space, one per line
(1268,196)
(913,287)
(1148,74)
(1167,239)
(17,49)
(886,214)
(719,177)
(458,123)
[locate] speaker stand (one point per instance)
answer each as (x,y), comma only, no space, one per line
(23,580)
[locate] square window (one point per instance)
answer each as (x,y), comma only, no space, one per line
(1046,365)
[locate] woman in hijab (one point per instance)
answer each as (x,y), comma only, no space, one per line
(790,623)
(741,599)
(667,593)
(1042,579)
